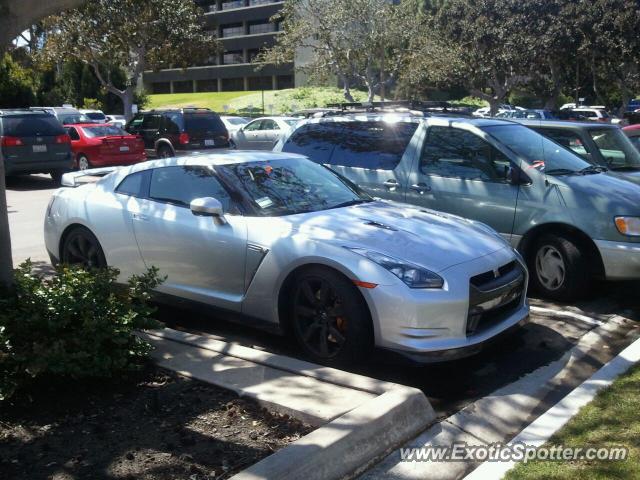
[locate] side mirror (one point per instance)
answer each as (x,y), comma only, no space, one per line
(207,207)
(516,177)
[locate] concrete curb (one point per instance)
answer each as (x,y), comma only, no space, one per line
(540,430)
(385,414)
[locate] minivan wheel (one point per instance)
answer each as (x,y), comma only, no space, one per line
(329,318)
(165,152)
(82,248)
(83,163)
(56,176)
(559,270)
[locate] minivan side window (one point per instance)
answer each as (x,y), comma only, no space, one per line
(452,152)
(315,140)
(374,145)
(180,185)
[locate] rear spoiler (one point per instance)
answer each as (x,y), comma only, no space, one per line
(71,179)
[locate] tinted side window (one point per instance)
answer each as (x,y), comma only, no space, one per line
(73,133)
(451,152)
(173,123)
(132,185)
(151,122)
(181,185)
(566,138)
(135,123)
(315,140)
(372,145)
(203,122)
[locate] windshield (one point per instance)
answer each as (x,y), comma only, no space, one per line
(537,151)
(292,122)
(96,115)
(615,148)
(104,131)
(288,187)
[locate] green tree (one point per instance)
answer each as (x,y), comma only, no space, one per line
(358,41)
(132,36)
(17,87)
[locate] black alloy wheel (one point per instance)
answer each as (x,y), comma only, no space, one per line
(82,248)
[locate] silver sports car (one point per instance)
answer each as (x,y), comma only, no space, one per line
(280,239)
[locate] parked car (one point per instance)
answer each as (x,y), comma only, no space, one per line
(233,124)
(633,134)
(65,115)
(171,132)
(96,116)
(292,244)
(34,142)
(101,145)
(262,133)
(530,114)
(593,114)
(571,222)
(117,120)
(503,108)
(604,145)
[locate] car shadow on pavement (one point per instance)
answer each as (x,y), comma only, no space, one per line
(25,183)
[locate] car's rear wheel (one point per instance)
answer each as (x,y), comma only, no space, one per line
(56,176)
(82,248)
(83,163)
(329,318)
(164,151)
(559,269)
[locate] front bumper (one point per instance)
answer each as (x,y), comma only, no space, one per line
(621,259)
(433,325)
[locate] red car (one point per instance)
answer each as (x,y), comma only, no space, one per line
(101,145)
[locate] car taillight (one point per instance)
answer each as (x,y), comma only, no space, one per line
(184,138)
(64,138)
(11,142)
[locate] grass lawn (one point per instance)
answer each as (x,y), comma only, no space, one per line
(212,100)
(611,419)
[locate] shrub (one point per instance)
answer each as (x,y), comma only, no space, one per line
(75,325)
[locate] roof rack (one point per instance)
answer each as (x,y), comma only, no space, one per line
(424,107)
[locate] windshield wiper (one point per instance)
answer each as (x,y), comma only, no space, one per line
(350,203)
(560,171)
(593,169)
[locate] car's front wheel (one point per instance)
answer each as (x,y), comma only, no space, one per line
(164,151)
(82,248)
(559,268)
(329,318)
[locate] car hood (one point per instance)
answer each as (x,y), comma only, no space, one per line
(611,193)
(424,237)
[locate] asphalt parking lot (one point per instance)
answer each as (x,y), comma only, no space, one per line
(553,330)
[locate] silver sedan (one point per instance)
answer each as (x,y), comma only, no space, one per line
(262,133)
(278,238)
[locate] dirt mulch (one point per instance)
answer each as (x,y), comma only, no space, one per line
(161,426)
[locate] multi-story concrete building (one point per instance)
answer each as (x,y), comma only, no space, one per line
(243,27)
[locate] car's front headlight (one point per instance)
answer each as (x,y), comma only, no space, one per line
(629,226)
(412,275)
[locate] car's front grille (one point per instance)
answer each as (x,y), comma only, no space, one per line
(494,295)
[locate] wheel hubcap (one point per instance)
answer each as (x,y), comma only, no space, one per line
(82,251)
(550,267)
(83,163)
(319,318)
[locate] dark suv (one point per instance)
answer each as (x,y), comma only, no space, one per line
(169,133)
(34,142)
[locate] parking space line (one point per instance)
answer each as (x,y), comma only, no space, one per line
(561,313)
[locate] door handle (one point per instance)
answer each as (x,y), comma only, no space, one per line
(140,216)
(391,184)
(420,187)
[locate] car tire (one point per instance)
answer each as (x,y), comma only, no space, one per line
(83,163)
(165,151)
(232,145)
(329,318)
(82,248)
(559,270)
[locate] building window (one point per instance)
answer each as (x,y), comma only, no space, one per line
(210,85)
(260,2)
(285,81)
(252,54)
(233,57)
(232,84)
(232,30)
(261,26)
(229,4)
(185,86)
(260,83)
(161,87)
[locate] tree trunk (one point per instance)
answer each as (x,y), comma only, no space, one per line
(346,89)
(127,100)
(6,260)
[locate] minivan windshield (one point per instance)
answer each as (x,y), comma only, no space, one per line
(288,187)
(538,151)
(616,149)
